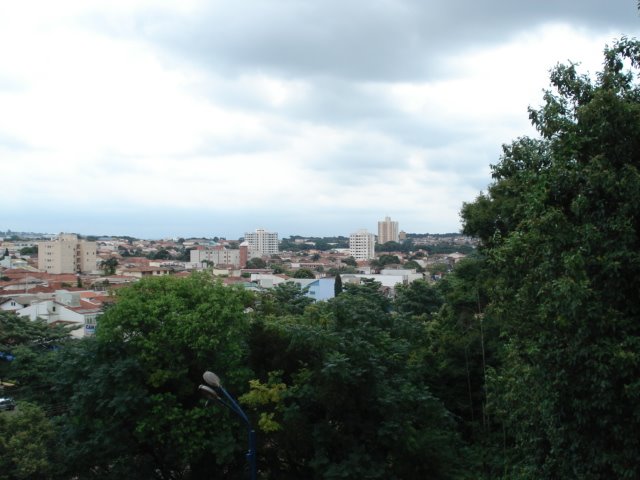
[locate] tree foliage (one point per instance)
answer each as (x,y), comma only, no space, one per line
(109,265)
(347,400)
(303,273)
(26,444)
(559,226)
(134,410)
(256,263)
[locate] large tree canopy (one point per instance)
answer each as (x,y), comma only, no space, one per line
(559,226)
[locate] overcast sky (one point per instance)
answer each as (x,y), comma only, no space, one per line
(203,118)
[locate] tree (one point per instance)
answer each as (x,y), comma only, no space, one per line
(257,263)
(26,444)
(21,331)
(385,259)
(418,298)
(560,228)
(337,285)
(161,254)
(350,261)
(279,269)
(413,265)
(109,265)
(287,298)
(26,250)
(303,273)
(340,395)
(136,412)
(32,346)
(388,247)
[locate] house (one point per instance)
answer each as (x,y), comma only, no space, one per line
(145,272)
(268,280)
(66,308)
(12,304)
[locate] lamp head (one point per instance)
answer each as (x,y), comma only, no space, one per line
(212,379)
(208,392)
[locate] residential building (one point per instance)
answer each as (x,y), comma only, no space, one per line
(387,231)
(67,254)
(362,245)
(267,280)
(221,255)
(66,308)
(262,241)
(11,304)
(318,288)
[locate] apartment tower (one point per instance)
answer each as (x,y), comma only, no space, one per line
(266,243)
(387,231)
(66,254)
(362,245)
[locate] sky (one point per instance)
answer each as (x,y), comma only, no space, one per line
(187,118)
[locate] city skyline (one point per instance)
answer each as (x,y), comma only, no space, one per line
(165,119)
(43,234)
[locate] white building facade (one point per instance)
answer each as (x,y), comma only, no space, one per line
(266,243)
(362,245)
(65,308)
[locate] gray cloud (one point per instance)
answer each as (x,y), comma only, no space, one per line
(375,40)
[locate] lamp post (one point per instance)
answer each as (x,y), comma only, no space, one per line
(215,391)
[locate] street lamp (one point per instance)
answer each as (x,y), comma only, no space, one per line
(215,391)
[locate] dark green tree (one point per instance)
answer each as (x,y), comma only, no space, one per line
(287,298)
(386,259)
(135,411)
(413,265)
(257,263)
(109,265)
(303,273)
(347,400)
(33,345)
(26,444)
(161,254)
(337,285)
(418,298)
(560,228)
(29,250)
(350,261)
(20,331)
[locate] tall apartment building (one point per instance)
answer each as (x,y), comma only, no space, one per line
(66,254)
(262,241)
(387,231)
(362,245)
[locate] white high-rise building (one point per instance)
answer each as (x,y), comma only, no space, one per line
(262,241)
(362,245)
(387,231)
(66,254)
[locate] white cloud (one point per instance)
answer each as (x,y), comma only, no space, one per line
(100,114)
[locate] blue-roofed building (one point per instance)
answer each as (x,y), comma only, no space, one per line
(319,289)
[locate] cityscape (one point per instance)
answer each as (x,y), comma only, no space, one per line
(67,278)
(291,240)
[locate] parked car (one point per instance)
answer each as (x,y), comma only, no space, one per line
(7,403)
